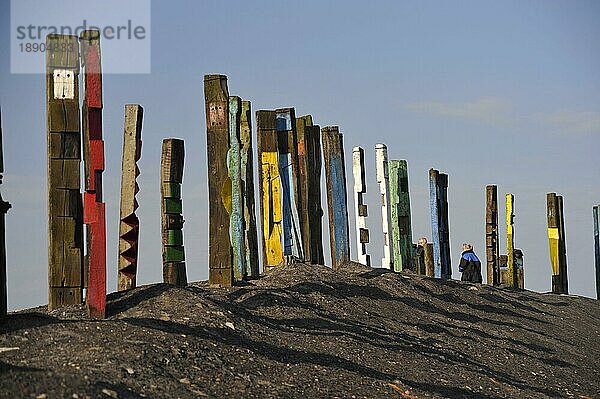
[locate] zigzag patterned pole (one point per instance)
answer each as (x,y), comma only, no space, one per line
(129,226)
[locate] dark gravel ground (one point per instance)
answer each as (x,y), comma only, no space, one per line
(307,332)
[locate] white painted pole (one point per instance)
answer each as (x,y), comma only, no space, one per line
(381,158)
(360,188)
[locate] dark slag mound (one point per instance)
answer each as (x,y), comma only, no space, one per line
(307,332)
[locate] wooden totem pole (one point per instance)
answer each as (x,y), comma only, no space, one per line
(512,276)
(557,243)
(440,233)
(596,211)
(65,208)
(129,226)
(360,208)
(400,214)
(269,184)
(381,159)
(93,157)
(247,174)
(235,202)
(290,182)
(492,250)
(220,261)
(4,207)
(335,177)
(303,123)
(310,163)
(171,176)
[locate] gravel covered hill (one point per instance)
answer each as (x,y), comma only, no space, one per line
(307,332)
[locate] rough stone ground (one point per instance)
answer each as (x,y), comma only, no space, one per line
(307,332)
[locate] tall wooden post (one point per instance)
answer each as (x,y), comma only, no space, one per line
(315,163)
(360,208)
(269,184)
(491,235)
(563,245)
(510,241)
(235,202)
(4,207)
(247,173)
(556,240)
(171,177)
(216,98)
(429,268)
(129,225)
(400,214)
(440,232)
(381,160)
(93,156)
(303,123)
(290,182)
(335,178)
(596,211)
(65,213)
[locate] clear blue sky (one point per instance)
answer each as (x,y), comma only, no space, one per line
(490,92)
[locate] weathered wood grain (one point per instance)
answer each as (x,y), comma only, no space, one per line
(360,208)
(220,257)
(171,177)
(429,262)
(247,173)
(440,231)
(93,156)
(556,241)
(302,125)
(400,214)
(312,141)
(435,229)
(129,225)
(65,207)
(492,250)
(290,182)
(4,207)
(335,178)
(596,217)
(269,184)
(236,220)
(510,241)
(381,162)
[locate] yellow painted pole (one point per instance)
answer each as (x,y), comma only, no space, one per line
(510,243)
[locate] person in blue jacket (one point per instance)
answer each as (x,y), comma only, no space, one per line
(470,266)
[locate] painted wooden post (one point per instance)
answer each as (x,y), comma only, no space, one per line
(564,279)
(444,224)
(435,229)
(335,178)
(129,225)
(303,123)
(4,207)
(400,214)
(216,98)
(492,250)
(360,208)
(596,211)
(290,183)
(429,268)
(94,209)
(171,175)
(269,184)
(314,161)
(236,211)
(381,159)
(65,213)
(510,241)
(247,173)
(556,241)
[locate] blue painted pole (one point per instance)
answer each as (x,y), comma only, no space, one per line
(435,229)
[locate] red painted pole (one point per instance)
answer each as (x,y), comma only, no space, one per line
(93,146)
